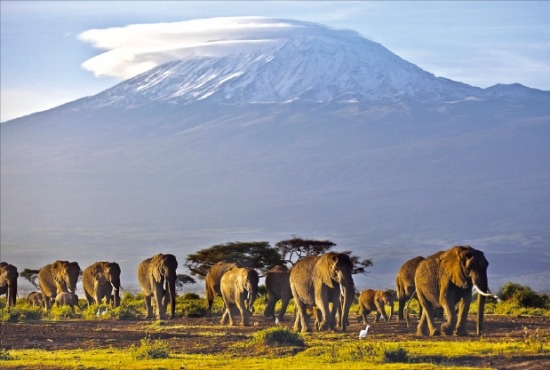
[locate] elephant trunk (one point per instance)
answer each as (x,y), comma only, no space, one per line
(482,292)
(348,295)
(171,293)
(480,308)
(12,293)
(115,283)
(252,293)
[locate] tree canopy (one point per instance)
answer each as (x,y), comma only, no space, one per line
(294,249)
(31,276)
(257,255)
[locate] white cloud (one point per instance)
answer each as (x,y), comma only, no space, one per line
(136,48)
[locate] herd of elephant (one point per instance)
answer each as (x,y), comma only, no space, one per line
(322,285)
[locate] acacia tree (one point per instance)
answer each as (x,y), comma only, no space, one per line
(31,276)
(257,255)
(294,249)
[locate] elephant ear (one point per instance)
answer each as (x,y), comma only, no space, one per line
(115,268)
(455,262)
(97,272)
(325,268)
(156,267)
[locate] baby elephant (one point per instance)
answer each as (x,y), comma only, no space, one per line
(374,300)
(66,299)
(35,299)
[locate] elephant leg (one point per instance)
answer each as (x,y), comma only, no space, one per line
(301,321)
(381,311)
(448,327)
(270,308)
(284,306)
(427,315)
(225,316)
(245,314)
(148,308)
(325,319)
(463,308)
(158,294)
(364,314)
(400,308)
(89,299)
(422,328)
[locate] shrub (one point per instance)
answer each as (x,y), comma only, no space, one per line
(5,355)
(278,337)
(523,296)
(13,315)
(192,308)
(62,312)
(152,349)
(396,355)
(190,295)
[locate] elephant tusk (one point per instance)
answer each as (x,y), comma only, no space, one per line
(342,290)
(114,287)
(483,293)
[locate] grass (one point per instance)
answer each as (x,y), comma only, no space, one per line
(274,348)
(320,351)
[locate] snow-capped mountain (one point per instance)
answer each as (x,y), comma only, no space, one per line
(312,63)
(285,128)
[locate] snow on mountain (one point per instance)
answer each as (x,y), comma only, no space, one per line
(263,129)
(306,62)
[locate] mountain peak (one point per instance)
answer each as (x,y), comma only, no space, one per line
(264,60)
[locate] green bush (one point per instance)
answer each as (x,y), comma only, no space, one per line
(192,308)
(523,296)
(5,355)
(190,295)
(152,349)
(13,315)
(396,355)
(61,313)
(278,337)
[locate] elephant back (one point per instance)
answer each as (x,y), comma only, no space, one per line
(277,280)
(214,276)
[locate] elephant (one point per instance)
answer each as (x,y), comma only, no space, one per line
(239,288)
(35,299)
(277,284)
(66,299)
(404,283)
(321,281)
(60,276)
(157,277)
(212,281)
(100,280)
(375,300)
(446,279)
(8,283)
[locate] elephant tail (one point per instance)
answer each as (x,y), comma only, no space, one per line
(406,309)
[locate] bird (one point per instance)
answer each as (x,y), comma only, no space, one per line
(363,333)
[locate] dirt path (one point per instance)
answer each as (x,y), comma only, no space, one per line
(205,335)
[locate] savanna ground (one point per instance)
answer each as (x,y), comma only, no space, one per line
(84,341)
(101,338)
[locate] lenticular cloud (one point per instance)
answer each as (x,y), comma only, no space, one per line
(134,49)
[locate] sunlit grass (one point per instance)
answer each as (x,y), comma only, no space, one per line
(321,351)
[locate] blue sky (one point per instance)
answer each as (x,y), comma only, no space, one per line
(480,43)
